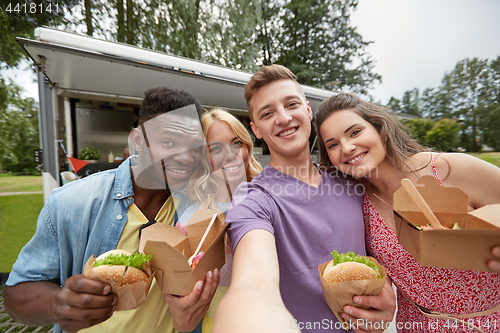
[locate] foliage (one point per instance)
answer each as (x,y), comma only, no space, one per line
(469,96)
(220,32)
(439,134)
(419,128)
(20,22)
(18,129)
(489,123)
(10,52)
(313,38)
(89,153)
(443,135)
(320,46)
(409,104)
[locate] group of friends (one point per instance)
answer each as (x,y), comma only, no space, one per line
(284,220)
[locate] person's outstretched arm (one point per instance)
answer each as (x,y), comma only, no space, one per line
(253,302)
(78,304)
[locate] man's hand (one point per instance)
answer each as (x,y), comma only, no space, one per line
(495,264)
(80,303)
(83,302)
(187,311)
(380,314)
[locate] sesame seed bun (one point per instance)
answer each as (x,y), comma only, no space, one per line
(133,275)
(119,273)
(348,271)
(110,272)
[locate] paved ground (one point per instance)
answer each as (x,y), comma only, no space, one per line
(13,193)
(8,325)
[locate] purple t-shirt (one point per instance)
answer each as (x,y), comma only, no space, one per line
(307,223)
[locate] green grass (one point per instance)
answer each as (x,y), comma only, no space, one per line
(18,214)
(10,183)
(493,158)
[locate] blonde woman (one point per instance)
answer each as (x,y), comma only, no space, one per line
(230,162)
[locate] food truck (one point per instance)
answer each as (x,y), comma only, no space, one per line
(90,92)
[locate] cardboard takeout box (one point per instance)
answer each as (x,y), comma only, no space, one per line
(171,249)
(468,248)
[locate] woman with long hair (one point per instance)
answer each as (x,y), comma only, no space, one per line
(230,161)
(367,142)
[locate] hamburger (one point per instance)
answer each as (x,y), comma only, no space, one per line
(121,267)
(350,267)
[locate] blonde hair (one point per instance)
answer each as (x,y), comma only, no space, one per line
(263,76)
(217,114)
(205,189)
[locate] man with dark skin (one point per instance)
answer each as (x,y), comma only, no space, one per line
(106,211)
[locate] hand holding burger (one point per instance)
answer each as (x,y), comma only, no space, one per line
(129,276)
(121,266)
(346,276)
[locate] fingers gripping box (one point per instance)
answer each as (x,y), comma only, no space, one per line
(171,249)
(468,248)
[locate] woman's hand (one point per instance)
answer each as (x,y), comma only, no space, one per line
(495,264)
(380,314)
(187,311)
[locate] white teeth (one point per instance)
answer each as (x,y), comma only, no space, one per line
(178,171)
(293,130)
(231,168)
(357,158)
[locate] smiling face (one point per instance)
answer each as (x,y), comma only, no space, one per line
(281,117)
(169,152)
(228,154)
(353,145)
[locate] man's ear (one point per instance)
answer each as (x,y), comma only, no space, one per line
(309,111)
(255,130)
(137,139)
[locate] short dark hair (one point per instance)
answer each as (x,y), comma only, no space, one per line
(161,100)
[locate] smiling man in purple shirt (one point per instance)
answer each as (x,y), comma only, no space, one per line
(287,221)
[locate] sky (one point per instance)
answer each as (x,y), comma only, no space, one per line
(415,42)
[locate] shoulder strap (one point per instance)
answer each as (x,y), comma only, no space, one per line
(434,170)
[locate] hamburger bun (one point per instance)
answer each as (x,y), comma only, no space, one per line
(119,273)
(348,271)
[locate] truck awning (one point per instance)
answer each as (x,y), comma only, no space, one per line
(86,67)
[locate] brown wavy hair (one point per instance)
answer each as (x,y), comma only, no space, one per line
(398,143)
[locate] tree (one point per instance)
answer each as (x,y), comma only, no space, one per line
(410,102)
(268,32)
(18,129)
(489,122)
(440,134)
(464,85)
(419,128)
(469,94)
(443,135)
(228,38)
(320,46)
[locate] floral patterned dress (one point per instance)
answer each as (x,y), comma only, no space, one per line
(448,291)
